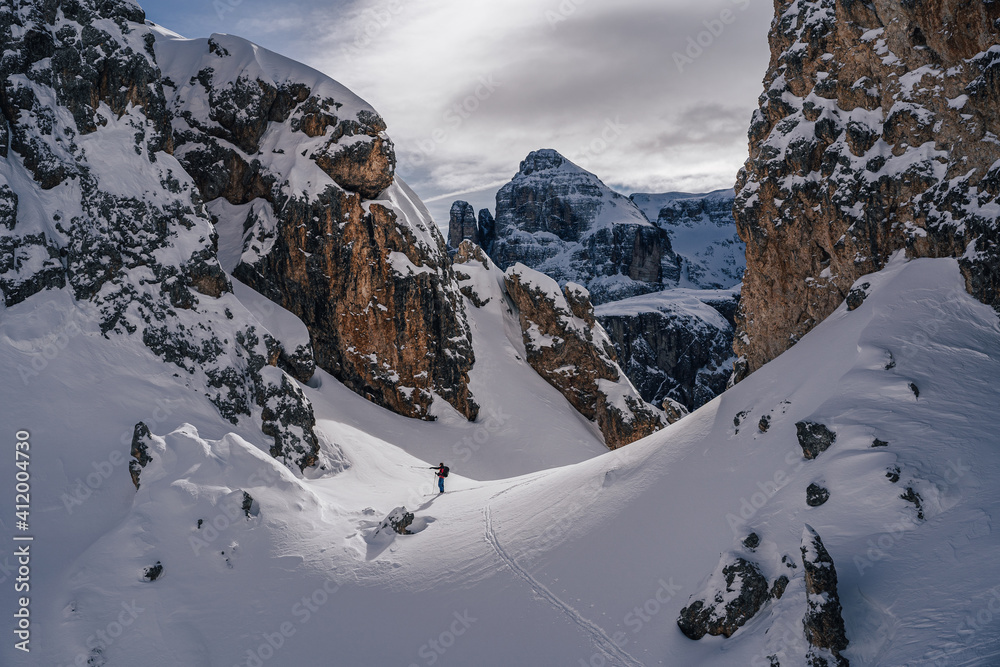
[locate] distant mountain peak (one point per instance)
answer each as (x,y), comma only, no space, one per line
(543,160)
(560,219)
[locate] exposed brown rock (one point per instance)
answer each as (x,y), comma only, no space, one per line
(469,252)
(363,167)
(674,410)
(375,329)
(375,288)
(568,348)
(884,146)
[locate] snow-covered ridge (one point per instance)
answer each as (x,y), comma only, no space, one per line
(702,232)
(692,302)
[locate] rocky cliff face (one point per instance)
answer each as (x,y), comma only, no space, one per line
(877,132)
(559,219)
(568,348)
(93,201)
(676,344)
(462,224)
(702,233)
(298,173)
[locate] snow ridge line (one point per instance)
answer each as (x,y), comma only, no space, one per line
(600,638)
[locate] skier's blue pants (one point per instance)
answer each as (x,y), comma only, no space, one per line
(441,484)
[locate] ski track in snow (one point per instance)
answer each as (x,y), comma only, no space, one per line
(600,638)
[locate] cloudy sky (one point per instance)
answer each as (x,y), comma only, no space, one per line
(650,95)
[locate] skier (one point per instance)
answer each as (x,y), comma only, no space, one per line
(442,472)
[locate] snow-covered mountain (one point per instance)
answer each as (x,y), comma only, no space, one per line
(551,567)
(560,219)
(554,217)
(202,491)
(702,232)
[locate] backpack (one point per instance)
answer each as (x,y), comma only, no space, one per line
(444,471)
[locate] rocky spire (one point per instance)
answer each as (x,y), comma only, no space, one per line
(487,228)
(462,225)
(823,623)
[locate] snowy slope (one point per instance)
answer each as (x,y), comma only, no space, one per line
(590,562)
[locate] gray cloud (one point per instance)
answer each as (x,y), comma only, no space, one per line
(676,81)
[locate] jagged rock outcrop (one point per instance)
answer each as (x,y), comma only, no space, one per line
(468,252)
(287,416)
(566,346)
(675,344)
(876,132)
(462,225)
(823,622)
(300,170)
(702,233)
(734,593)
(93,200)
(814,438)
(141,439)
(560,219)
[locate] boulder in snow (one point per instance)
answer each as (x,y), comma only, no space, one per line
(153,572)
(734,593)
(816,495)
(857,296)
(398,521)
(814,438)
(764,423)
